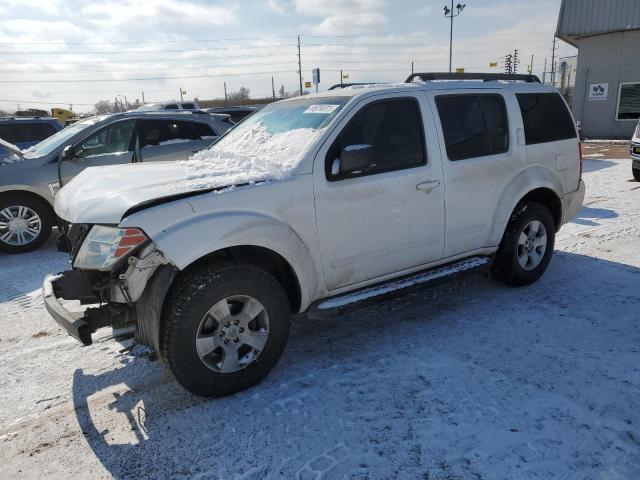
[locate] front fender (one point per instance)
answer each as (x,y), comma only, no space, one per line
(526,181)
(195,235)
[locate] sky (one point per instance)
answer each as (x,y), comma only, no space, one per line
(61,53)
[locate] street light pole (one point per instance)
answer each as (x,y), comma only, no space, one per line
(448,12)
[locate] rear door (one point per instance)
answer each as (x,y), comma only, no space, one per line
(481,157)
(167,140)
(110,145)
(551,137)
(387,216)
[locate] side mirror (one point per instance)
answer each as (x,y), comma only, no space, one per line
(67,154)
(356,158)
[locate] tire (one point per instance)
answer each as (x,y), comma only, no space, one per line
(516,264)
(25,223)
(189,313)
(636,173)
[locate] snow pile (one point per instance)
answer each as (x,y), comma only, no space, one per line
(247,155)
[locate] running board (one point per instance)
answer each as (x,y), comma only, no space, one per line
(397,287)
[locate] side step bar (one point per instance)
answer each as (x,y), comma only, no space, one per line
(397,287)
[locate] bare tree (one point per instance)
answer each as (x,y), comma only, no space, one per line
(241,94)
(103,106)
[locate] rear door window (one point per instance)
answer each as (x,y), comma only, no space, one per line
(203,130)
(35,132)
(188,106)
(474,125)
(10,133)
(545,117)
(166,132)
(26,132)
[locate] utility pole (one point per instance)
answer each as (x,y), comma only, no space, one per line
(273,89)
(143,96)
(544,72)
(531,65)
(553,62)
(508,64)
(299,66)
(411,68)
(341,78)
(225,94)
(515,61)
(180,93)
(448,12)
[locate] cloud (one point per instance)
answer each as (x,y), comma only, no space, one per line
(159,12)
(345,16)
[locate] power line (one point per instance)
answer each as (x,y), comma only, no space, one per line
(102,80)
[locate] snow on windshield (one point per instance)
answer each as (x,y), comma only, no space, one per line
(248,155)
(267,146)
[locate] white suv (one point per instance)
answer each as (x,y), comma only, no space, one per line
(634,150)
(314,204)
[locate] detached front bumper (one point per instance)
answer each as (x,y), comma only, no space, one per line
(72,285)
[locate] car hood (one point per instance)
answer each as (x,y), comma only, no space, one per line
(104,194)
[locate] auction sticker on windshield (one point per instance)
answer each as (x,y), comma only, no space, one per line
(327,108)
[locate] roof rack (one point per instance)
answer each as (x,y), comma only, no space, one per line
(345,85)
(485,77)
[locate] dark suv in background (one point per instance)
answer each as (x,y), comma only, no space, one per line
(26,132)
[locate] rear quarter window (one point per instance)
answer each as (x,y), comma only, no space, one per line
(545,117)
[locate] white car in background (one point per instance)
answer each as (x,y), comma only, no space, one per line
(634,150)
(312,205)
(173,105)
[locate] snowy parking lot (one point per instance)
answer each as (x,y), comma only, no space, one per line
(472,380)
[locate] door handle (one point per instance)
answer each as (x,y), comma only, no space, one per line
(428,185)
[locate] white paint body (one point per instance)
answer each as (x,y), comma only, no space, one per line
(345,235)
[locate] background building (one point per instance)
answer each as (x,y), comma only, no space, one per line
(606,97)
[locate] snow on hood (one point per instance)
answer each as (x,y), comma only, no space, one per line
(251,156)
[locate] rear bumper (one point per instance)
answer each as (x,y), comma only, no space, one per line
(72,285)
(572,203)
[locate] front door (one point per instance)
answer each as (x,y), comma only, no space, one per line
(384,212)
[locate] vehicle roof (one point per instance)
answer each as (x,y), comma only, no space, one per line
(175,114)
(29,119)
(437,85)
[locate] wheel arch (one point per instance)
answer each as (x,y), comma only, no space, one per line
(535,184)
(260,257)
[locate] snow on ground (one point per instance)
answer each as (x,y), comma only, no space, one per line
(472,380)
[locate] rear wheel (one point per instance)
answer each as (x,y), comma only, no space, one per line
(636,173)
(224,328)
(25,223)
(527,245)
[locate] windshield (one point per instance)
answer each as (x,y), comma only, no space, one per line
(268,145)
(52,143)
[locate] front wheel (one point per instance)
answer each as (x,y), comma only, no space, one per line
(527,245)
(224,328)
(636,173)
(25,223)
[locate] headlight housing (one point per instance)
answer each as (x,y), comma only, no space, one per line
(104,246)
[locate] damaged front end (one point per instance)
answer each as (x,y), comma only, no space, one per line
(119,277)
